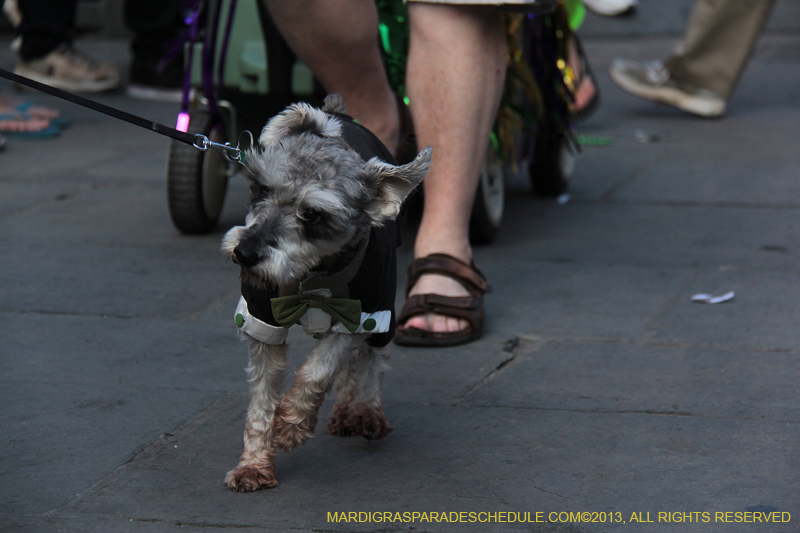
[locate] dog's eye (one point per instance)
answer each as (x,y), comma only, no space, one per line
(310,216)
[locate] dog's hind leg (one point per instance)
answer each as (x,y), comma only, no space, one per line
(346,391)
(296,415)
(256,468)
(358,409)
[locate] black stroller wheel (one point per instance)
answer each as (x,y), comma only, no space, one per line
(197,180)
(487,211)
(553,163)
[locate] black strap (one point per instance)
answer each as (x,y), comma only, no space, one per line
(178,135)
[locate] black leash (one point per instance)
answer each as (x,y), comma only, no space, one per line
(232,153)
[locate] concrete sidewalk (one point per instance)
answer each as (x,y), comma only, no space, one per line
(598,386)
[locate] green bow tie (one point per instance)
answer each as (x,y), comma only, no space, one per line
(288,309)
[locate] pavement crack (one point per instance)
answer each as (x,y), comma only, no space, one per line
(46,382)
(77,314)
(622,183)
(221,525)
(501,501)
(191,523)
(533,484)
(511,348)
(691,203)
(150,451)
(649,412)
(652,324)
(660,343)
(187,317)
(231,295)
(509,357)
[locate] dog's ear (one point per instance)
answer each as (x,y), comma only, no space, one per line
(296,119)
(334,103)
(394,183)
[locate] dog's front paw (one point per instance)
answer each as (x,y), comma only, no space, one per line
(359,421)
(247,478)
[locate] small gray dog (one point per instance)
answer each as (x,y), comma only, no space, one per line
(318,248)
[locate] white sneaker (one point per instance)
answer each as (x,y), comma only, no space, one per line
(652,81)
(68,69)
(610,8)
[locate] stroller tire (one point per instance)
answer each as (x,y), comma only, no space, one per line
(487,211)
(197,181)
(553,163)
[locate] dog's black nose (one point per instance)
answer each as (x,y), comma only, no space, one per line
(245,256)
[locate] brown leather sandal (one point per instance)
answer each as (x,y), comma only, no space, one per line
(469,308)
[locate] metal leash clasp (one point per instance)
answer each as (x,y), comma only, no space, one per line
(234,154)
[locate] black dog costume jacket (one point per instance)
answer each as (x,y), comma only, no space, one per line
(374,282)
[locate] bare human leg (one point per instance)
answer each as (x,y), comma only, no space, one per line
(338,41)
(455,76)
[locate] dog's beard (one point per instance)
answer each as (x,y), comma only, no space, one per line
(289,261)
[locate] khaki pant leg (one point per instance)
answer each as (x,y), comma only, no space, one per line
(719,38)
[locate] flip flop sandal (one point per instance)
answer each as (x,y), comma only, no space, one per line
(60,122)
(585,73)
(46,133)
(469,308)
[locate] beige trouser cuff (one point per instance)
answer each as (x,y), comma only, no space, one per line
(719,38)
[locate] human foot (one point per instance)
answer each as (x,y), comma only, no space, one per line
(443,286)
(585,93)
(9,105)
(21,125)
(444,305)
(583,96)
